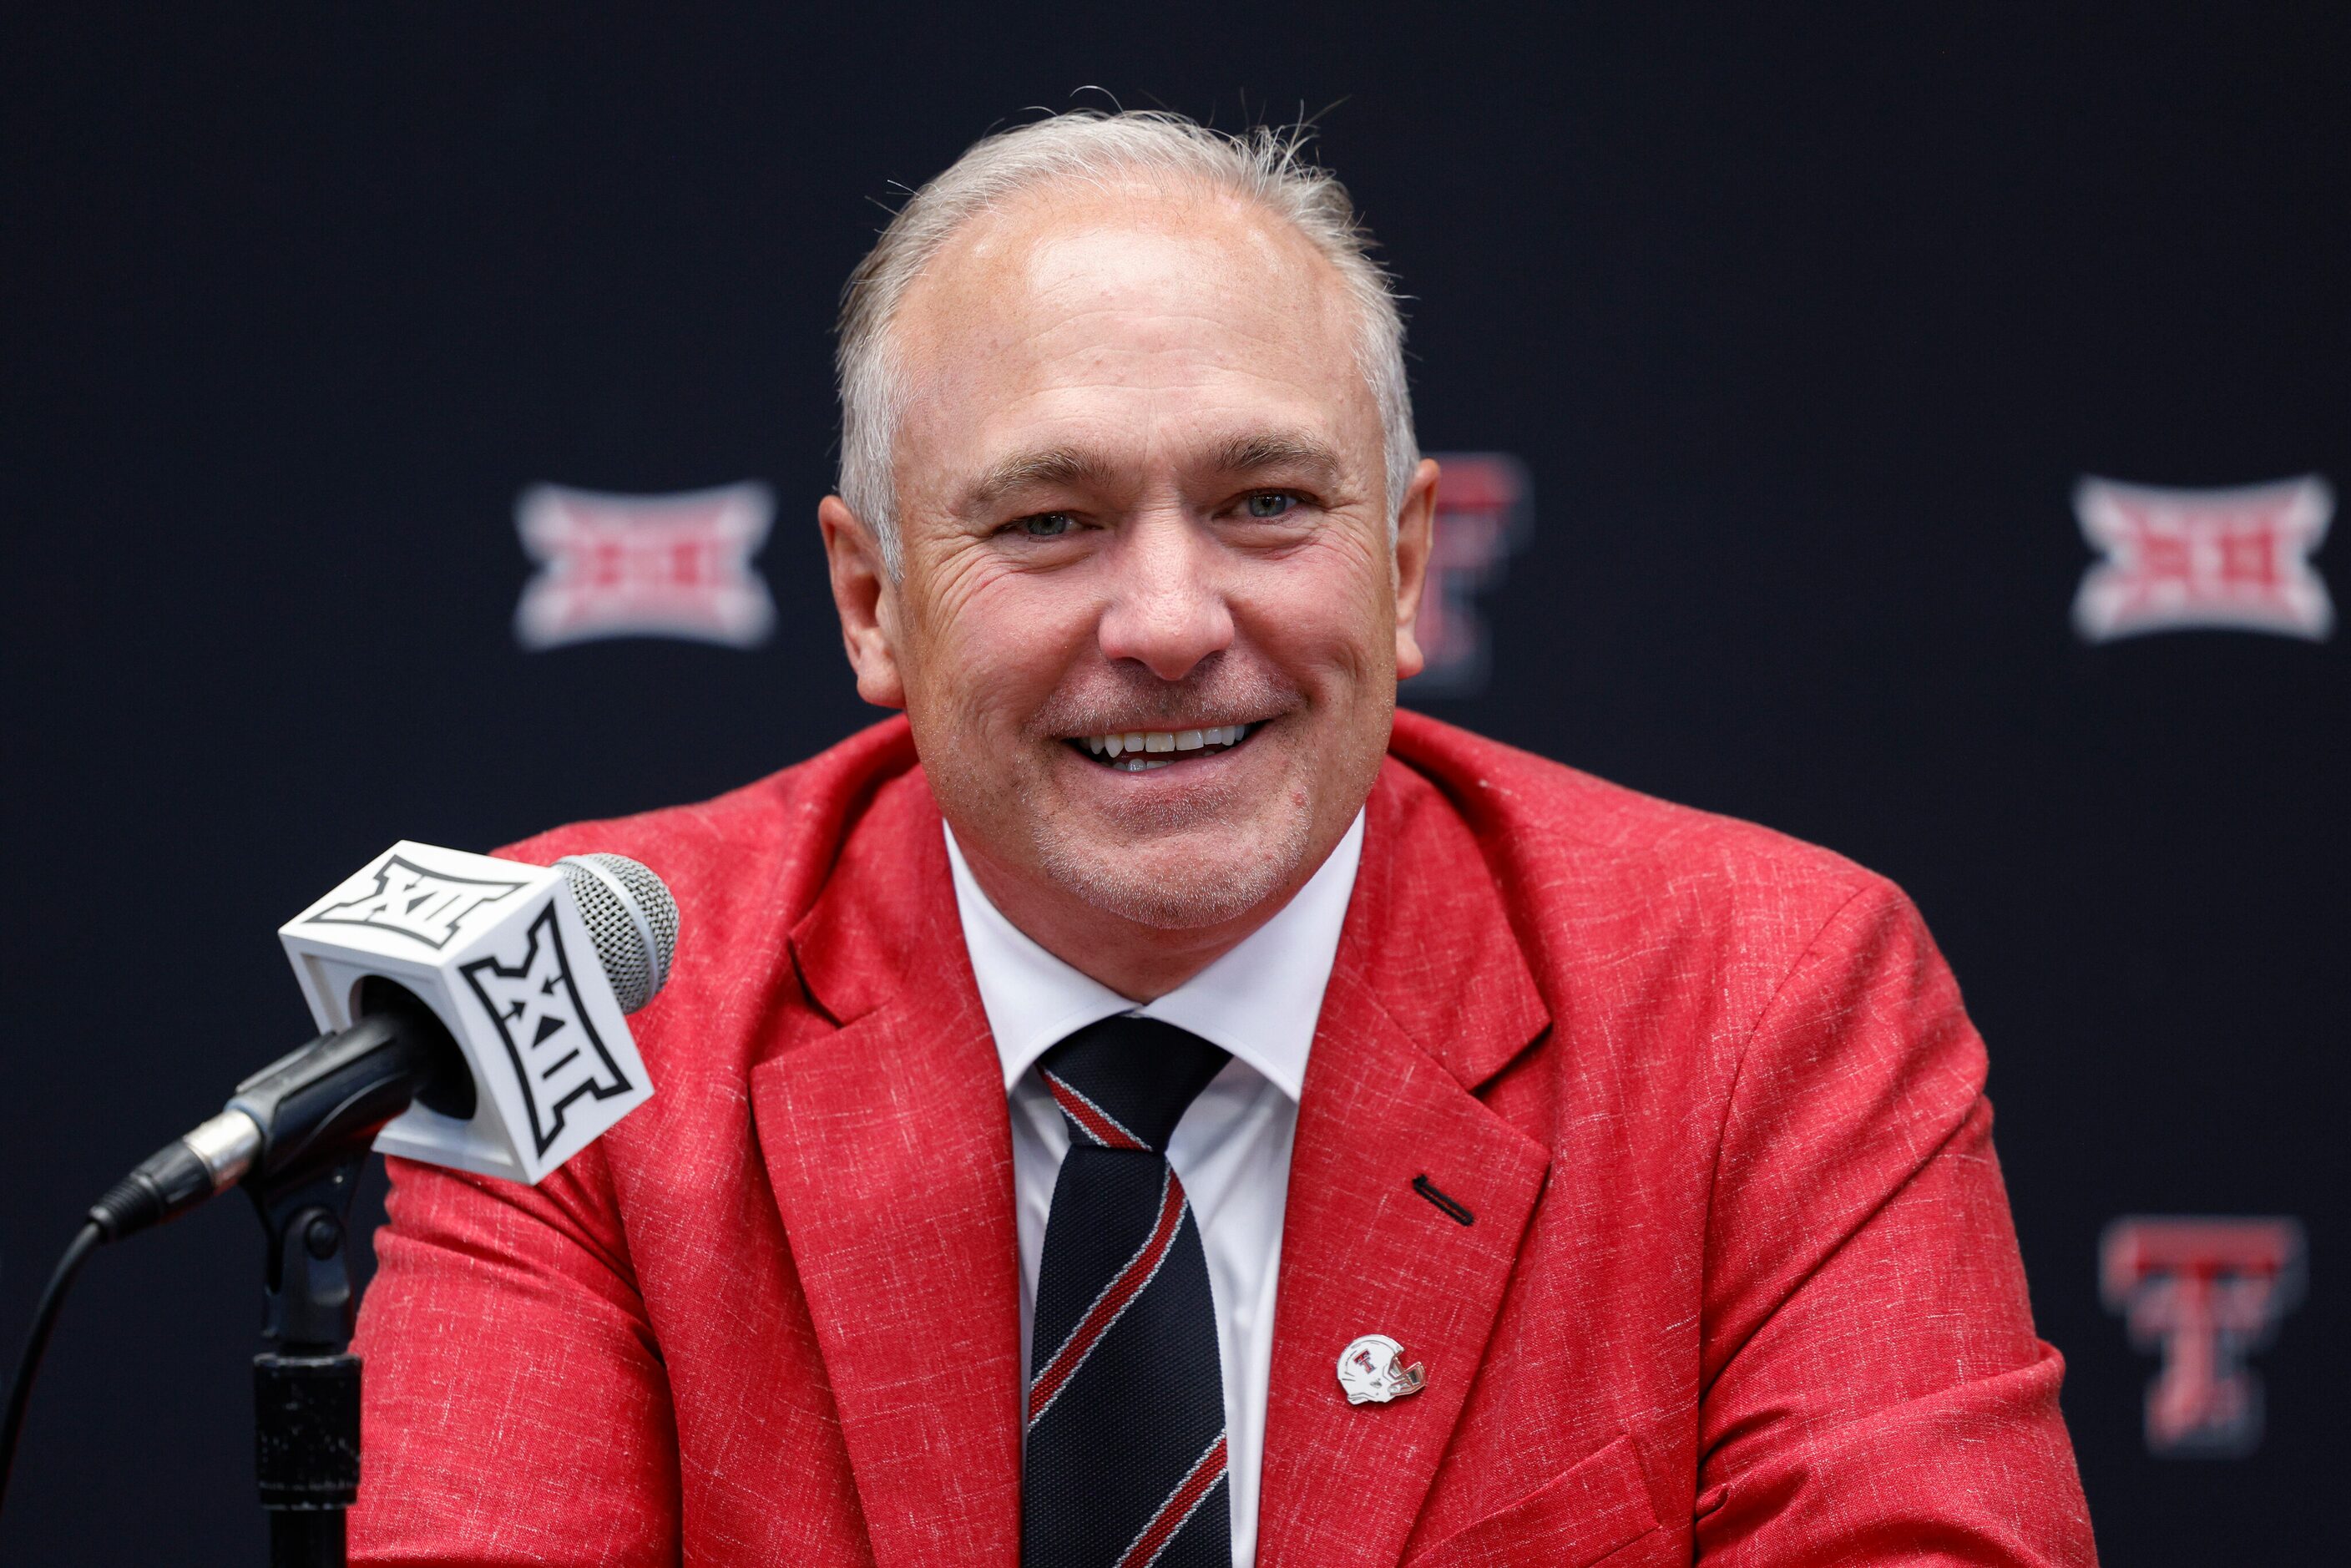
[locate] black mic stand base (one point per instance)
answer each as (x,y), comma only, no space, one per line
(305,1413)
(312,1540)
(306,1387)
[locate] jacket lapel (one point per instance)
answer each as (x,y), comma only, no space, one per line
(888,1148)
(883,1123)
(1428,999)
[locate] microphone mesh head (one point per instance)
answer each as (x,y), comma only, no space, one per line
(632,919)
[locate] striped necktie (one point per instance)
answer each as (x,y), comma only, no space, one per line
(1125,1464)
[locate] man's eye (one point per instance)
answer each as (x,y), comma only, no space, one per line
(1044,525)
(1270,504)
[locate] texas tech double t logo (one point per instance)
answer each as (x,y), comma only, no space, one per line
(2205,1291)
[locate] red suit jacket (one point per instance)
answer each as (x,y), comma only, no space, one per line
(1739,1283)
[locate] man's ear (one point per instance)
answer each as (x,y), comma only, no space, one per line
(1416,526)
(867,601)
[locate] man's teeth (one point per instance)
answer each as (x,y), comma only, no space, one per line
(1135,744)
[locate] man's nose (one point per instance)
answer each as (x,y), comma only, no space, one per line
(1167,609)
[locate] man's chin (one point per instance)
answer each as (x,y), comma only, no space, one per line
(1192,881)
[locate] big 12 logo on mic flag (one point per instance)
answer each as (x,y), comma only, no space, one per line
(644,566)
(499,952)
(409,898)
(2206,1292)
(2175,560)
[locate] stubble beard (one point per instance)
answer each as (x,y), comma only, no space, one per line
(1117,870)
(1114,880)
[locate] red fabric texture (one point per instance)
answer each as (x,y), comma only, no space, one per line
(1740,1284)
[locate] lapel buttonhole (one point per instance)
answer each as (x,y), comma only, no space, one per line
(1451,1208)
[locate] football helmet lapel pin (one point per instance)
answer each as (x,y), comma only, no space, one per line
(1371,1371)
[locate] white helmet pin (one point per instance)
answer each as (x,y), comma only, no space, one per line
(1371,1371)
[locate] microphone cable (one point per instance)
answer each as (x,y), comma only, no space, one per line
(87,1240)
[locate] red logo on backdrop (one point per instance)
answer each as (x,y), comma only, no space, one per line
(1485,512)
(644,566)
(2204,1291)
(2181,559)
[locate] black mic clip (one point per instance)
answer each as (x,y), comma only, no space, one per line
(309,1306)
(317,1110)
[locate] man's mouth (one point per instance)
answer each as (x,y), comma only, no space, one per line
(1141,750)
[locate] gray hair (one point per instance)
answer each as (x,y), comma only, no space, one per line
(1264,165)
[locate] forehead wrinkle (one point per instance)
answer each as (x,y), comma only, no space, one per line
(1029,243)
(1008,292)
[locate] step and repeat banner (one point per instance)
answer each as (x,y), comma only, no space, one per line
(1920,437)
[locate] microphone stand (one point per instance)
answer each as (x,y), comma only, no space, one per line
(306,1384)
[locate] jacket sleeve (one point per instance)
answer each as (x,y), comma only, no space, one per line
(516,1407)
(1873,1390)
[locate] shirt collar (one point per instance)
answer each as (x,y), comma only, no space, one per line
(1259,1001)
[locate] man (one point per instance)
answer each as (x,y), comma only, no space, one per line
(1153,1102)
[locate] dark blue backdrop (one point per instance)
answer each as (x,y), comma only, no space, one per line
(1804,324)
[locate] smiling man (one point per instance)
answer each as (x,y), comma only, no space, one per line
(1155,1104)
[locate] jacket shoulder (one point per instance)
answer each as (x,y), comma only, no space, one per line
(756,855)
(1669,943)
(1566,845)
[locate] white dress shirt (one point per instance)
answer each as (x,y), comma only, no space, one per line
(1231,1150)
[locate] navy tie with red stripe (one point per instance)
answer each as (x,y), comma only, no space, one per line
(1126,1465)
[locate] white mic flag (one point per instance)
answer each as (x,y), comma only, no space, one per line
(501,954)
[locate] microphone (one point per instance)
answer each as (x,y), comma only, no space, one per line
(456,1030)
